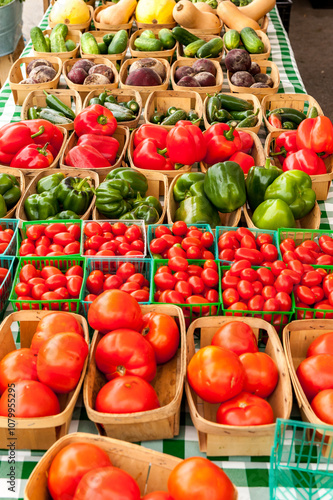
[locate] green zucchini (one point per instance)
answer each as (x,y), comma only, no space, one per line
(58,43)
(119,43)
(54,117)
(191,50)
(59,29)
(103,48)
(70,45)
(89,44)
(251,41)
(38,40)
(290,115)
(167,39)
(148,44)
(53,102)
(120,113)
(148,34)
(232,103)
(107,39)
(231,39)
(183,36)
(175,117)
(210,49)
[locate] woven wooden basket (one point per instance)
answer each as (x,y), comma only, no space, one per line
(182,57)
(266,67)
(99,38)
(263,23)
(310,221)
(122,95)
(267,49)
(31,189)
(227,440)
(162,54)
(231,219)
(21,179)
(144,91)
(203,91)
(155,26)
(74,35)
(81,27)
(110,27)
(161,100)
(208,31)
(42,432)
(38,98)
(320,183)
(20,91)
(162,423)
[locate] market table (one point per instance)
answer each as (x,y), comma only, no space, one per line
(249,474)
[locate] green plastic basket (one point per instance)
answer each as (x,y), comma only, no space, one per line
(303,312)
(300,235)
(10,224)
(6,262)
(301,465)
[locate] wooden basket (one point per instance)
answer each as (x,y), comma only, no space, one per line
(161,100)
(267,50)
(170,174)
(38,98)
(31,189)
(81,27)
(122,136)
(84,90)
(230,220)
(263,23)
(182,57)
(21,179)
(20,91)
(266,67)
(157,187)
(295,101)
(74,35)
(247,97)
(162,54)
(110,27)
(310,221)
(320,183)
(257,153)
(200,33)
(99,38)
(42,432)
(122,95)
(203,91)
(144,91)
(155,26)
(162,423)
(227,440)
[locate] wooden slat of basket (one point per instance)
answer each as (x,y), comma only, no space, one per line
(74,35)
(31,189)
(162,54)
(37,433)
(155,26)
(81,27)
(267,47)
(265,66)
(223,440)
(230,220)
(182,57)
(162,423)
(110,27)
(203,91)
(21,179)
(98,35)
(208,31)
(20,91)
(310,221)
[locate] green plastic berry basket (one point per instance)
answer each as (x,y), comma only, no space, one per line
(6,262)
(300,235)
(10,224)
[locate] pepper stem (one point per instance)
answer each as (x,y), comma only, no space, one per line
(102,120)
(178,166)
(162,151)
(43,150)
(229,134)
(268,163)
(282,152)
(40,132)
(82,183)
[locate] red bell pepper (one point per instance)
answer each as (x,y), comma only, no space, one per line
(147,155)
(246,140)
(13,138)
(156,132)
(316,134)
(186,144)
(86,156)
(32,156)
(222,142)
(107,146)
(306,160)
(285,143)
(95,119)
(43,131)
(244,160)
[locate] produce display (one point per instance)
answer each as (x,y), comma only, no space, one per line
(122,110)
(106,239)
(113,43)
(195,46)
(39,71)
(86,72)
(231,110)
(247,39)
(56,42)
(148,41)
(244,72)
(201,74)
(146,72)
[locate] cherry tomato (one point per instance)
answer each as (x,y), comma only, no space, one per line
(269,252)
(229,297)
(263,239)
(305,295)
(160,230)
(268,292)
(249,274)
(35,231)
(230,282)
(210,277)
(237,306)
(94,282)
(277,267)
(245,289)
(140,295)
(248,242)
(27,273)
(256,303)
(287,245)
(174,297)
(207,239)
(165,281)
(74,271)
(184,288)
(54,228)
(179,228)
(242,232)
(210,264)
(253,255)
(178,264)
(133,233)
(193,253)
(197,284)
(212,296)
(238,266)
(284,301)
(200,309)
(227,254)
(176,251)
(194,270)
(27,249)
(138,245)
(125,270)
(74,285)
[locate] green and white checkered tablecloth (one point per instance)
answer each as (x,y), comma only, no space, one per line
(249,474)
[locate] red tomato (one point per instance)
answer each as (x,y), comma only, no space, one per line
(56,281)
(304,294)
(179,228)
(161,331)
(229,297)
(230,282)
(277,267)
(318,293)
(194,270)
(269,252)
(245,289)
(245,409)
(169,238)
(38,290)
(74,284)
(228,241)
(140,295)
(304,255)
(43,250)
(163,269)
(160,230)
(295,277)
(227,254)
(157,495)
(256,303)
(52,323)
(212,296)
(321,345)
(107,482)
(125,270)
(22,289)
(265,276)
(92,228)
(75,231)
(197,284)
(28,395)
(261,373)
(322,405)
(237,306)
(284,283)
(17,365)
(251,254)
(175,251)
(27,273)
(72,248)
(242,232)
(48,271)
(165,281)
(284,301)
(94,282)
(62,292)
(191,242)
(316,374)
(54,228)
(184,288)
(210,277)
(133,233)
(264,239)
(248,242)
(130,287)
(289,256)
(238,266)
(236,336)
(207,239)
(311,278)
(119,228)
(287,245)
(158,245)
(74,271)
(268,292)
(200,309)
(249,274)
(35,231)
(178,264)
(210,264)
(27,249)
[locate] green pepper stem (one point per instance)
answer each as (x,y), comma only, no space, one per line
(178,166)
(46,93)
(82,182)
(102,120)
(162,151)
(40,132)
(43,150)
(282,152)
(229,134)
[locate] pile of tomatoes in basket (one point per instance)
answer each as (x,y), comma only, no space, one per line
(108,240)
(52,240)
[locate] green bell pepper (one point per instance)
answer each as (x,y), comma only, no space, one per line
(136,180)
(183,184)
(49,182)
(197,189)
(144,212)
(41,206)
(75,194)
(197,210)
(65,215)
(9,190)
(150,201)
(294,188)
(257,181)
(3,207)
(273,214)
(112,198)
(225,186)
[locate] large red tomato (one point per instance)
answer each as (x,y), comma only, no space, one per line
(236,336)
(60,361)
(29,399)
(157,495)
(322,405)
(128,394)
(215,374)
(125,352)
(69,466)
(261,373)
(162,333)
(55,322)
(316,374)
(245,409)
(321,345)
(17,365)
(107,483)
(115,309)
(200,479)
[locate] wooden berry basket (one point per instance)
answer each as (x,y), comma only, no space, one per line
(110,27)
(21,179)
(31,189)
(263,23)
(84,90)
(155,26)
(295,101)
(42,432)
(267,50)
(99,38)
(208,31)
(162,54)
(247,97)
(320,183)
(231,219)
(266,67)
(157,187)
(207,38)
(74,35)
(227,440)
(81,27)
(161,100)
(38,98)
(122,136)
(20,91)
(161,423)
(144,91)
(122,95)
(203,91)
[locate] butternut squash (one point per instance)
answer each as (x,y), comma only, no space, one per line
(258,8)
(116,14)
(233,18)
(186,14)
(204,7)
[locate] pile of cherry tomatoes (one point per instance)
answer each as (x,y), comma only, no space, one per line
(57,239)
(110,240)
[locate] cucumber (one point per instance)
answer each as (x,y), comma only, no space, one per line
(183,36)
(167,39)
(89,44)
(231,39)
(211,49)
(148,34)
(103,48)
(107,39)
(70,45)
(148,44)
(119,43)
(175,117)
(251,41)
(61,29)
(48,43)
(58,43)
(192,49)
(38,40)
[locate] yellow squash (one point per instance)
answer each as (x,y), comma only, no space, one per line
(70,12)
(155,11)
